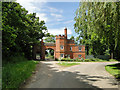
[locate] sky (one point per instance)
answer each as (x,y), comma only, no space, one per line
(57,15)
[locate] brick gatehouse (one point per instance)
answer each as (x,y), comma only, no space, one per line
(63,48)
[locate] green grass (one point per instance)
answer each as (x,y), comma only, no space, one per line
(114,69)
(99,60)
(66,64)
(87,60)
(16,72)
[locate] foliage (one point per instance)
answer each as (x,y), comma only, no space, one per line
(87,60)
(99,60)
(49,57)
(15,73)
(51,38)
(97,24)
(66,59)
(21,31)
(49,52)
(72,38)
(114,69)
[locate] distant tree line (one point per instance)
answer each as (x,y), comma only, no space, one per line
(50,38)
(98,27)
(20,30)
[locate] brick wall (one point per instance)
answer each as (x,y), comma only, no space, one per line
(66,43)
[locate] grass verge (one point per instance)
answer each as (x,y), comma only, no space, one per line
(66,64)
(15,73)
(114,69)
(87,60)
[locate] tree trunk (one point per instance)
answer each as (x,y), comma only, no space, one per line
(111,55)
(34,52)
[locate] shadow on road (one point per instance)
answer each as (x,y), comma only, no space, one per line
(51,77)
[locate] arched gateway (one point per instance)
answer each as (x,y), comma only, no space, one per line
(63,47)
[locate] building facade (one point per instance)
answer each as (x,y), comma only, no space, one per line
(63,48)
(67,48)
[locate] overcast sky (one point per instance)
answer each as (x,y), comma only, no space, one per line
(57,15)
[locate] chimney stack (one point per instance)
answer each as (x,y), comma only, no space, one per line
(65,32)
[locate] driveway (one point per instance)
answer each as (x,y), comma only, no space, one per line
(85,75)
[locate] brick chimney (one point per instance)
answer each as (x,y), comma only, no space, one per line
(65,32)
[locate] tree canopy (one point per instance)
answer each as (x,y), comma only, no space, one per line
(20,30)
(50,38)
(97,24)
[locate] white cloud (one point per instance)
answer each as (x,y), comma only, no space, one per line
(56,15)
(59,31)
(28,5)
(55,10)
(59,19)
(31,6)
(42,16)
(70,21)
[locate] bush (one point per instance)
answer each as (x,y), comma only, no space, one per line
(106,57)
(112,60)
(86,60)
(67,59)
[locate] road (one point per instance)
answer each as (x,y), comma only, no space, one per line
(85,75)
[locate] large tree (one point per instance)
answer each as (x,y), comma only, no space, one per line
(20,30)
(97,24)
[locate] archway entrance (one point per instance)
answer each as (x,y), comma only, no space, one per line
(38,56)
(49,54)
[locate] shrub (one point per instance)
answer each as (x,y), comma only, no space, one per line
(112,60)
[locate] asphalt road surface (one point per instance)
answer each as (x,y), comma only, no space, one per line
(85,75)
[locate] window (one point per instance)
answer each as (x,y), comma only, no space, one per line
(61,55)
(79,56)
(70,48)
(61,47)
(80,48)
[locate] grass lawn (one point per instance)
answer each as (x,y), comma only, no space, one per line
(114,69)
(15,73)
(66,64)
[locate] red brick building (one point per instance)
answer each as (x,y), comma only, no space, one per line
(63,48)
(67,48)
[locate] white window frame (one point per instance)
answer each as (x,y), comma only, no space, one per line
(80,48)
(62,54)
(62,47)
(80,56)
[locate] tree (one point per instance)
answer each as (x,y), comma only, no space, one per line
(51,39)
(97,23)
(72,38)
(20,30)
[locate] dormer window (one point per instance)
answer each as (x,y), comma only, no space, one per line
(61,47)
(80,48)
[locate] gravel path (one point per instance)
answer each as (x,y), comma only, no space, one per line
(85,75)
